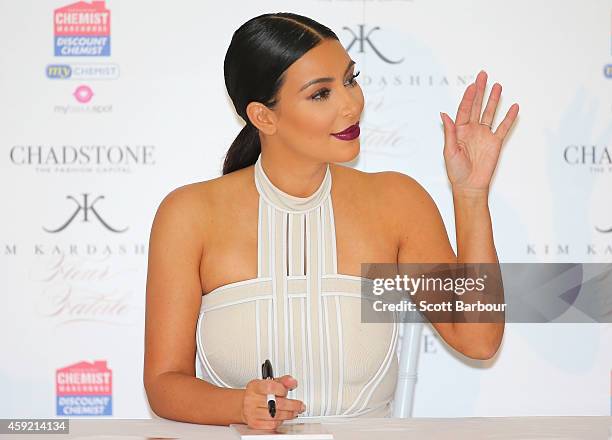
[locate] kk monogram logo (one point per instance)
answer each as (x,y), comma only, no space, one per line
(86,208)
(362,40)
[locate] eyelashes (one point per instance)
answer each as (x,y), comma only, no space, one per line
(323,94)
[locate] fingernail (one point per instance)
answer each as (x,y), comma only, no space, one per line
(303,407)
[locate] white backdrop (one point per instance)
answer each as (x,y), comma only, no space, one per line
(108,142)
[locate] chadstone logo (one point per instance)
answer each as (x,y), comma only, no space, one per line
(84,389)
(597,158)
(88,211)
(83,158)
(82,29)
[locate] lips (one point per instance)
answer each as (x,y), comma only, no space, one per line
(350,133)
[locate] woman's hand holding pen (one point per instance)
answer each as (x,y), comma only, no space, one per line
(255,412)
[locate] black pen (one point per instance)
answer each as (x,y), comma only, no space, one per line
(267,373)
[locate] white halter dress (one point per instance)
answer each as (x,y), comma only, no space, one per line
(300,313)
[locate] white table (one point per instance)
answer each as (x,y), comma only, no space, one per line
(498,428)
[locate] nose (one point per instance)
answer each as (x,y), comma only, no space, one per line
(351,103)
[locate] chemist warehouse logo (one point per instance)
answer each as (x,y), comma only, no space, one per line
(82,29)
(84,389)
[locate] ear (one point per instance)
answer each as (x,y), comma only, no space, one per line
(261,117)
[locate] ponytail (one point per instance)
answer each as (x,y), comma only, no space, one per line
(260,52)
(244,151)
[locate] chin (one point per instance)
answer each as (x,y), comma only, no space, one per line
(347,152)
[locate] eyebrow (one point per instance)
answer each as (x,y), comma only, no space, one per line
(325,79)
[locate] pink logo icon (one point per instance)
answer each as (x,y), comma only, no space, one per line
(83,94)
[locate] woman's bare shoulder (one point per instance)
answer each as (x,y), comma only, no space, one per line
(207,193)
(193,205)
(380,186)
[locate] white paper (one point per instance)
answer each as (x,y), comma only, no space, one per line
(286,431)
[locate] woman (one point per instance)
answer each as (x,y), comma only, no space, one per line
(269,253)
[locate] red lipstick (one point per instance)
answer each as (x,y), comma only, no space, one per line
(348,134)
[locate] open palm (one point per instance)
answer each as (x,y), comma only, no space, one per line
(471,147)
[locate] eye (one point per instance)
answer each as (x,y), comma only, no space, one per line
(323,94)
(352,81)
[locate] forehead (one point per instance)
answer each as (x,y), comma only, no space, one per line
(327,59)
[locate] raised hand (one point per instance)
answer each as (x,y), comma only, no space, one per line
(471,147)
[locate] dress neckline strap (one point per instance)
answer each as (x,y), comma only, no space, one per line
(287,202)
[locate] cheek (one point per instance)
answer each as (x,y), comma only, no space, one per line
(315,120)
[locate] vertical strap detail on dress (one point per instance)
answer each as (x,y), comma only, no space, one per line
(290,245)
(258,337)
(340,356)
(306,369)
(277,284)
(285,287)
(296,244)
(259,238)
(322,346)
(322,238)
(270,319)
(263,235)
(328,386)
(328,239)
(310,316)
(291,393)
(303,238)
(332,240)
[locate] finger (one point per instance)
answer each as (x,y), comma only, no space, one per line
(282,403)
(290,404)
(481,84)
(287,381)
(465,106)
(505,125)
(263,414)
(265,386)
(489,113)
(450,137)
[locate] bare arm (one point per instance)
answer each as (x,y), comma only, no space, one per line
(172,306)
(423,239)
(173,303)
(475,245)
